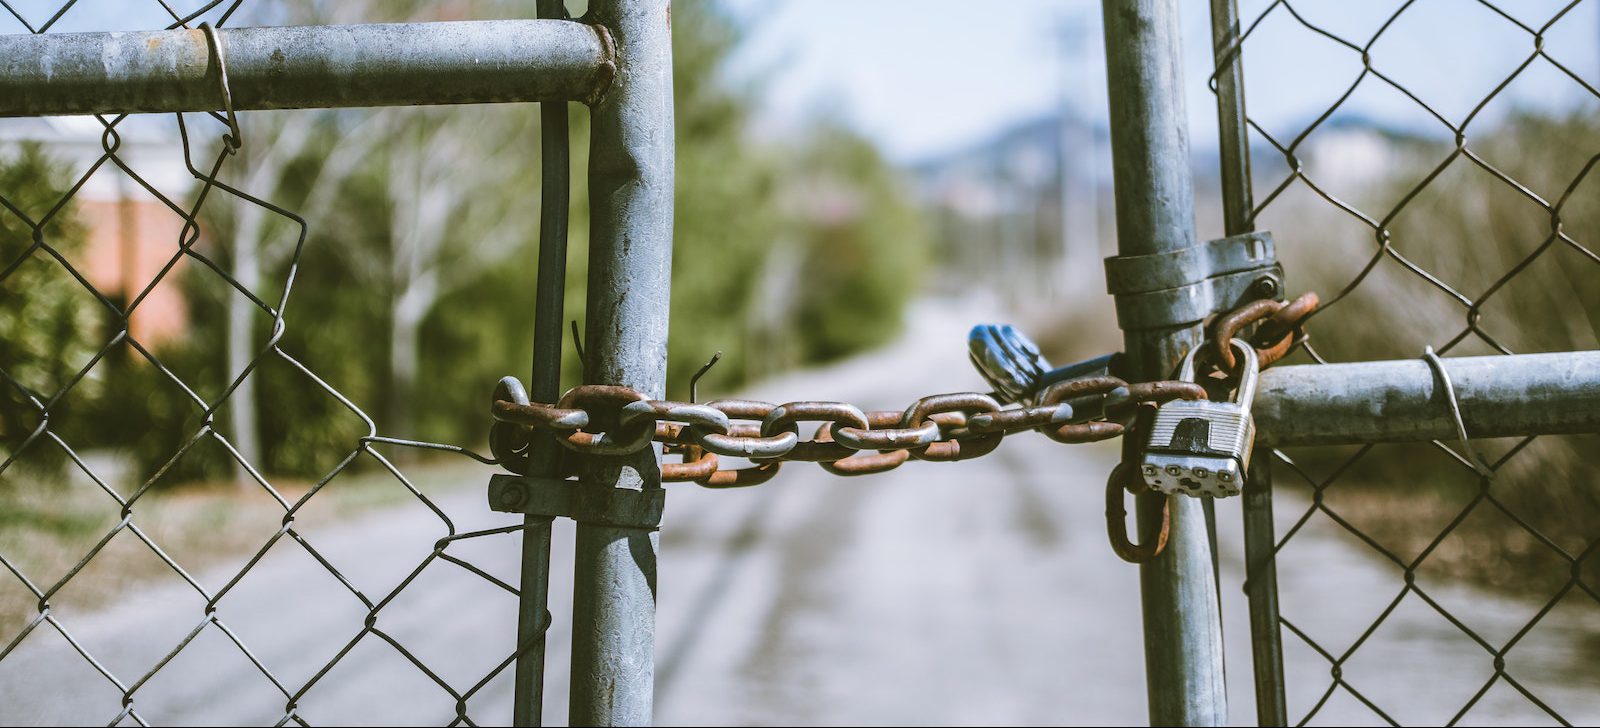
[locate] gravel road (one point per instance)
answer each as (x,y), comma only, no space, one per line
(973,593)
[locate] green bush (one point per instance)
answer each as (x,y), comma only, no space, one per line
(50,324)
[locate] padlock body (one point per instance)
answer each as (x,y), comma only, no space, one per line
(1198,448)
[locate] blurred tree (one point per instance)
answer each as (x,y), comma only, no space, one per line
(447,180)
(727,220)
(49,322)
(865,244)
(413,292)
(786,254)
(277,140)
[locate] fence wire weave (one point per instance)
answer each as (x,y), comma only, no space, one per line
(1475,237)
(187,250)
(1502,296)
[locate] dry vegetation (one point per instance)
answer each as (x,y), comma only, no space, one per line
(1532,283)
(1472,231)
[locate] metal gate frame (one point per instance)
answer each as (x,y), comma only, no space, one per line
(1326,404)
(617,60)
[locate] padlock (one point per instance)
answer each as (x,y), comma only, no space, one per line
(1007,360)
(1016,370)
(1201,447)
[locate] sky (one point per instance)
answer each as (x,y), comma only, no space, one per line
(926,77)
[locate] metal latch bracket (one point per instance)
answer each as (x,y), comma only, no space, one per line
(1184,286)
(582,502)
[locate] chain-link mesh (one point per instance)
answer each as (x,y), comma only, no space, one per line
(1479,240)
(1448,206)
(368,617)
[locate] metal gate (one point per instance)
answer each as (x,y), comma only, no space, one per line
(617,60)
(1426,296)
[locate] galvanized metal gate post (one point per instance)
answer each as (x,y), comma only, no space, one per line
(1155,214)
(630,277)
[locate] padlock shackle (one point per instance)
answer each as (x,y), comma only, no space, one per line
(1249,369)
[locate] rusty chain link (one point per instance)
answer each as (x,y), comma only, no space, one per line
(608,420)
(1281,328)
(1125,479)
(604,420)
(847,441)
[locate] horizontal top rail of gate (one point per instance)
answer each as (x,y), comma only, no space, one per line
(395,64)
(1405,400)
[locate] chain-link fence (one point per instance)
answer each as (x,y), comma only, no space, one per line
(1464,231)
(1440,195)
(174,247)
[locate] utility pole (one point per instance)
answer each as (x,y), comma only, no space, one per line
(1079,181)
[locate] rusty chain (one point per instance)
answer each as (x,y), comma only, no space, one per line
(610,420)
(607,420)
(1280,328)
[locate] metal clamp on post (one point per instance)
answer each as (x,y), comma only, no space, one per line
(584,503)
(1186,285)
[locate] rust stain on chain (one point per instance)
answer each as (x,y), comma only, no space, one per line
(608,420)
(1281,328)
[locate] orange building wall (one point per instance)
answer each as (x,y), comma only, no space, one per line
(130,241)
